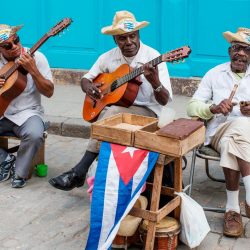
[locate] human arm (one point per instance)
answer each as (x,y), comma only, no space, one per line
(199,109)
(44,86)
(152,75)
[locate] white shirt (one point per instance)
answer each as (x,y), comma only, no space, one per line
(216,86)
(111,60)
(28,103)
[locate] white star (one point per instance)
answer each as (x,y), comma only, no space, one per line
(130,150)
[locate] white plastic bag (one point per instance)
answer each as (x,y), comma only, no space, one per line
(194,225)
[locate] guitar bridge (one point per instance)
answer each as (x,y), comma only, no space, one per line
(94,103)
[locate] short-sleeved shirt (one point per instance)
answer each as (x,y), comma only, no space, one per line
(216,86)
(28,103)
(111,60)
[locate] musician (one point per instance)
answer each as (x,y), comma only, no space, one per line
(154,91)
(228,129)
(24,114)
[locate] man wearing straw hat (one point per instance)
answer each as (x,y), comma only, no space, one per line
(24,114)
(219,100)
(154,91)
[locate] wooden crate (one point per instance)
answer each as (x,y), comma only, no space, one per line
(120,128)
(146,138)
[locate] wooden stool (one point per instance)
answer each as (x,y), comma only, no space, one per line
(39,157)
(155,214)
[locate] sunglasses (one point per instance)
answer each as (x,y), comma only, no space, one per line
(8,46)
(238,47)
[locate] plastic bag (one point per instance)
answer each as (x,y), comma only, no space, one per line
(194,225)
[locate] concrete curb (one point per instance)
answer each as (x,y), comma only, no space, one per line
(71,127)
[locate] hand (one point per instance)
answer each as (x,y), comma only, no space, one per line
(151,74)
(93,91)
(2,82)
(28,63)
(245,110)
(224,107)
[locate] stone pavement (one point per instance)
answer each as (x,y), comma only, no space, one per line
(41,217)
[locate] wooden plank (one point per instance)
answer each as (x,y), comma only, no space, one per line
(164,190)
(144,214)
(177,182)
(145,138)
(150,240)
(168,208)
(119,128)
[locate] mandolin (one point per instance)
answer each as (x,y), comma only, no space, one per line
(15,77)
(118,87)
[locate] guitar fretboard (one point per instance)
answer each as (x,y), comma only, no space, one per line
(133,74)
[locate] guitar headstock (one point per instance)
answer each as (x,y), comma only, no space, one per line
(59,27)
(177,54)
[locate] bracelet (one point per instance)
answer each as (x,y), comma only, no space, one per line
(158,89)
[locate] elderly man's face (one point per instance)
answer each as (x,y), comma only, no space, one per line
(128,43)
(240,57)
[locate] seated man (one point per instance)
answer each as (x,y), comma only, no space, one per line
(24,114)
(228,129)
(154,91)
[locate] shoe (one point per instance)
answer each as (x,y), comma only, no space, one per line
(5,168)
(16,181)
(233,225)
(67,181)
(247,208)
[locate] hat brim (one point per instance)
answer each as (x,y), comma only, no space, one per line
(130,223)
(231,37)
(110,30)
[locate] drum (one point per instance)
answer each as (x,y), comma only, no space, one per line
(166,235)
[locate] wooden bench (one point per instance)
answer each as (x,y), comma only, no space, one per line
(39,157)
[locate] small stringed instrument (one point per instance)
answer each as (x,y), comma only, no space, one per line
(15,77)
(118,88)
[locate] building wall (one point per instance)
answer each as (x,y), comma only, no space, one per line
(173,23)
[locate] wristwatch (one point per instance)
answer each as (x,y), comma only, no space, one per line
(158,89)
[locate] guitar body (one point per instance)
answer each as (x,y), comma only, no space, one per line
(12,88)
(121,96)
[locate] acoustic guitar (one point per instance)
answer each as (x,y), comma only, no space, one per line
(119,88)
(15,76)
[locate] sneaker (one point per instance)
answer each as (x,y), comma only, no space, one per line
(17,182)
(5,168)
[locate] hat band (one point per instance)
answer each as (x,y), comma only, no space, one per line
(127,25)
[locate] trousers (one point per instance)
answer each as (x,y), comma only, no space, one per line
(31,137)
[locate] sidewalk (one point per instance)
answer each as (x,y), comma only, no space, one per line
(39,217)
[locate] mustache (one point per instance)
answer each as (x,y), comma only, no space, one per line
(239,58)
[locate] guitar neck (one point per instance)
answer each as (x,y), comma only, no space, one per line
(31,52)
(133,74)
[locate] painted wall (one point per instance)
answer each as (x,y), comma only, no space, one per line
(173,23)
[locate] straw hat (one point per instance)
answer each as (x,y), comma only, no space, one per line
(6,31)
(123,22)
(130,223)
(242,35)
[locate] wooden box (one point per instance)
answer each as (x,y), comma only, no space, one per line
(147,138)
(120,128)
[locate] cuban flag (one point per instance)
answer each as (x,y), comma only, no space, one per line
(120,175)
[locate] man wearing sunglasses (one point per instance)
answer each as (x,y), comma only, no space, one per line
(228,130)
(24,114)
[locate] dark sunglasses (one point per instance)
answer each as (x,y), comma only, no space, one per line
(8,46)
(238,47)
